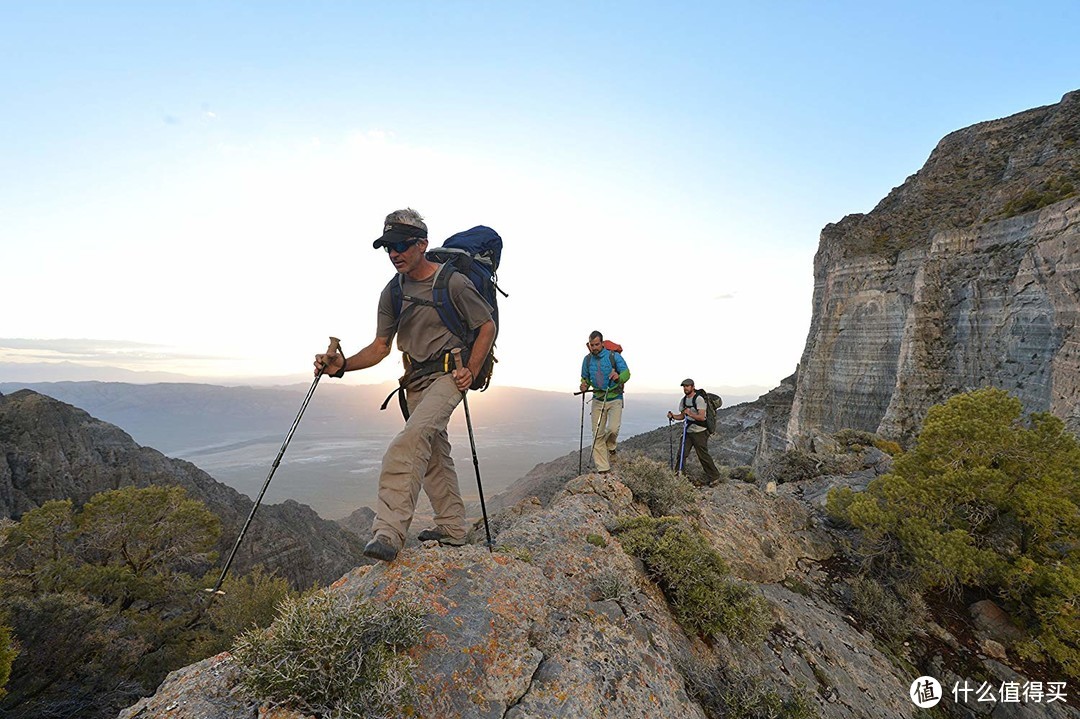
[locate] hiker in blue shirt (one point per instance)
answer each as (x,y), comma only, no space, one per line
(605,371)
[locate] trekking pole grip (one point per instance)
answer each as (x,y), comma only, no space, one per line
(456,353)
(332,349)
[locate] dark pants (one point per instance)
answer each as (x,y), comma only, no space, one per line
(700,442)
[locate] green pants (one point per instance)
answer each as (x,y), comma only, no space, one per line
(700,442)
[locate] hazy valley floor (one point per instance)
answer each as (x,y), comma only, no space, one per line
(333,461)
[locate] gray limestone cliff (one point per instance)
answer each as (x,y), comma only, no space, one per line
(51,450)
(965,276)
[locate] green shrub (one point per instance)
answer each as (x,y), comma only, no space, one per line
(856,439)
(250,601)
(695,580)
(655,485)
(332,656)
(795,465)
(135,541)
(8,652)
(1052,190)
(596,540)
(741,473)
(888,446)
(612,584)
(985,500)
(890,615)
(521,553)
(734,694)
(104,600)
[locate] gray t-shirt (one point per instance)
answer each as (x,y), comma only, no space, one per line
(685,402)
(420,331)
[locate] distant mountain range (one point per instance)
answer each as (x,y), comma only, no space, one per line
(55,451)
(332,464)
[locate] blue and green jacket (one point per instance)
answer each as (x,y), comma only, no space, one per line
(596,372)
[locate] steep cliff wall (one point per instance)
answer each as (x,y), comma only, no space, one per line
(967,275)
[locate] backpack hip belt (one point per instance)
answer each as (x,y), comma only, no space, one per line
(443,364)
(418,368)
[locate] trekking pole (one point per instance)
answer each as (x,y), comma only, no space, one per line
(334,348)
(670,447)
(472,442)
(599,420)
(581,434)
(682,445)
(581,438)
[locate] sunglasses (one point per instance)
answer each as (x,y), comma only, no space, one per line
(399,247)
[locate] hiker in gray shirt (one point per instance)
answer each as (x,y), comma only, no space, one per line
(692,408)
(419,456)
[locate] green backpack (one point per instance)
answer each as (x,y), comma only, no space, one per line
(713,402)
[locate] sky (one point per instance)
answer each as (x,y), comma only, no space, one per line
(193,187)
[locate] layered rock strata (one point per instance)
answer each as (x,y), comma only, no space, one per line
(966,276)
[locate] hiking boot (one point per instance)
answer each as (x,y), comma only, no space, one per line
(381,550)
(438,534)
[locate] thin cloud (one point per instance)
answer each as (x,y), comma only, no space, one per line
(92,350)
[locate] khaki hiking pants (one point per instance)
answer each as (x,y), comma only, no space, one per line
(608,417)
(419,456)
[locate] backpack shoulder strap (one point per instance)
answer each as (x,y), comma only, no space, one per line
(440,299)
(444,303)
(397,292)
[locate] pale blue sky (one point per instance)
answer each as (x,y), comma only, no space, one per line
(204,179)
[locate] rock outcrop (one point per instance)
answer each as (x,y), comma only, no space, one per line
(52,451)
(963,277)
(747,434)
(526,632)
(523,633)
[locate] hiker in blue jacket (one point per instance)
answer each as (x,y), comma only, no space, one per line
(605,371)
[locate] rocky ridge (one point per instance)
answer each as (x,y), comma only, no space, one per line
(53,451)
(747,434)
(526,631)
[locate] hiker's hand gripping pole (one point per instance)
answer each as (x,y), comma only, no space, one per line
(334,348)
(472,443)
(322,362)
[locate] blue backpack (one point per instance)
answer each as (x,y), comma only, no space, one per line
(476,254)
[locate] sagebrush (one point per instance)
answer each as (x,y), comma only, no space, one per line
(333,656)
(656,485)
(694,578)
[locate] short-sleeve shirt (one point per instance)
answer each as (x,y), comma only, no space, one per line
(685,402)
(420,331)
